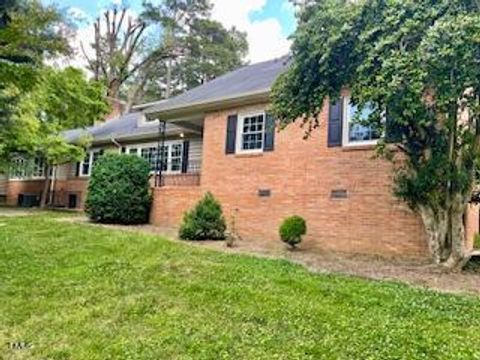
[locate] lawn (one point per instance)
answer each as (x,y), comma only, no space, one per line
(82,292)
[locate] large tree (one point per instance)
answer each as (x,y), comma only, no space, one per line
(118,50)
(205,49)
(36,102)
(416,63)
(174,18)
(30,33)
(211,51)
(60,100)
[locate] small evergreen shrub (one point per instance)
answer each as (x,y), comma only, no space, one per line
(119,190)
(292,230)
(204,222)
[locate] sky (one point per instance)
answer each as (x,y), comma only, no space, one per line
(268,23)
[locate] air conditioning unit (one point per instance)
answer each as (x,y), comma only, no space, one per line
(28,200)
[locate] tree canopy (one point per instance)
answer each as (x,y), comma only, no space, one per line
(204,48)
(416,64)
(37,102)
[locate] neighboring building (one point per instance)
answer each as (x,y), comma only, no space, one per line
(220,138)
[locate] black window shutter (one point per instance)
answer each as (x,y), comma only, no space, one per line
(269,141)
(231,134)
(335,123)
(77,170)
(186,146)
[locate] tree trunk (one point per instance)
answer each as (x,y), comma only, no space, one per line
(168,90)
(458,254)
(46,187)
(446,234)
(436,227)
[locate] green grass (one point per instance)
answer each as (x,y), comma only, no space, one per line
(82,292)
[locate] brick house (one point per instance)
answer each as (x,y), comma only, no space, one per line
(219,137)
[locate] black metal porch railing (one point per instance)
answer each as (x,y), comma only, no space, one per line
(173,173)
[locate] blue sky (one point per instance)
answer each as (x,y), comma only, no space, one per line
(268,23)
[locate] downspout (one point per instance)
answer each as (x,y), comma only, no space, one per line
(116,143)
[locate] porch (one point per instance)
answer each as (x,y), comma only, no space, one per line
(176,157)
(191,177)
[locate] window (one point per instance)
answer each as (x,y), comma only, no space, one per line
(18,168)
(176,157)
(150,154)
(38,168)
(170,156)
(89,161)
(251,132)
(354,131)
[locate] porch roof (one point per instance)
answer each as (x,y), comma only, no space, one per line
(125,127)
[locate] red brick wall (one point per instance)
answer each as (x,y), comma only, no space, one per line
(301,175)
(170,203)
(16,187)
(77,186)
(62,189)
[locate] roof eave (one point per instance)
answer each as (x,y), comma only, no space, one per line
(211,105)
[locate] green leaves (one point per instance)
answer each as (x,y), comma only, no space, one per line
(58,101)
(119,190)
(205,221)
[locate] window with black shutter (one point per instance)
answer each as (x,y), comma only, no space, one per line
(269,142)
(231,139)
(186,149)
(335,123)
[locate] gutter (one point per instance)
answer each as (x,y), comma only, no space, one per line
(210,105)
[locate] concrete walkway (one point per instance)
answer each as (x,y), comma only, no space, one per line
(13,211)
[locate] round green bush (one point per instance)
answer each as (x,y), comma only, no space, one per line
(204,222)
(119,190)
(292,230)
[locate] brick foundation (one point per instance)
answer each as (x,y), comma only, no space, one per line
(63,188)
(170,203)
(16,187)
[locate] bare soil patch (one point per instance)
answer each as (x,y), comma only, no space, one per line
(415,272)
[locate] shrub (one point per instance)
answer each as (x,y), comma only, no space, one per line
(119,190)
(292,230)
(204,222)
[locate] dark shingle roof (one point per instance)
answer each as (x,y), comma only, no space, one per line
(125,126)
(251,79)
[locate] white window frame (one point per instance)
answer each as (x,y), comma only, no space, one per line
(345,126)
(90,163)
(13,174)
(28,171)
(169,144)
(239,136)
(42,169)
